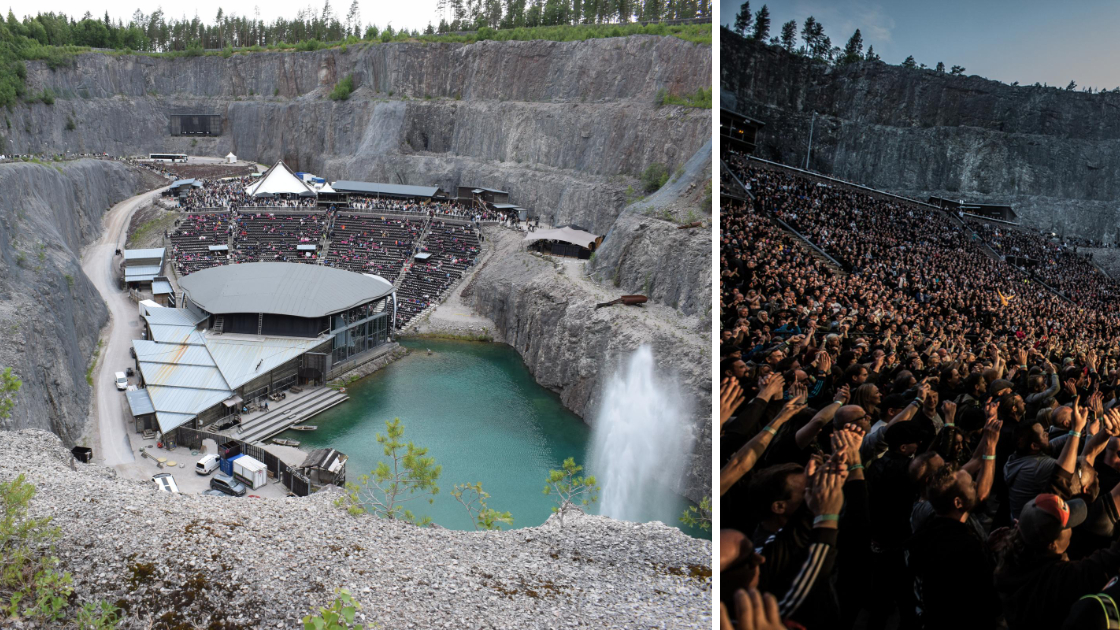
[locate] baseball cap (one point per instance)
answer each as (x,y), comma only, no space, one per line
(1046,515)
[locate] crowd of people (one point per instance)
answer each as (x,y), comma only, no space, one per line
(921,436)
(1055,262)
(377,245)
(452,209)
(230,193)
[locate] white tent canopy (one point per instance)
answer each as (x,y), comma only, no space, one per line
(231,158)
(279,180)
(567,235)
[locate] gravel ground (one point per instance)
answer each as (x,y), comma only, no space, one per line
(209,562)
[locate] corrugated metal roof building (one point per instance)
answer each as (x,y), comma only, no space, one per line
(386,190)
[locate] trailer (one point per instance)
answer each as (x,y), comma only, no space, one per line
(250,471)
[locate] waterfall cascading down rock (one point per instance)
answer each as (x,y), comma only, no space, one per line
(640,442)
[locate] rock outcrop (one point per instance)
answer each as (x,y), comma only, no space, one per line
(50,313)
(565,127)
(1053,154)
(209,562)
(647,252)
(546,310)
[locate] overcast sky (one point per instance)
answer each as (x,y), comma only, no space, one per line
(1025,40)
(408,14)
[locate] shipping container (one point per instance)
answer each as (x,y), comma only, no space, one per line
(250,472)
(226,465)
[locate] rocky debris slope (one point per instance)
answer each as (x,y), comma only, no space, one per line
(199,561)
(545,309)
(565,127)
(1053,154)
(50,313)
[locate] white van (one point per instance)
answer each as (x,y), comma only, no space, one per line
(122,380)
(207,465)
(166,483)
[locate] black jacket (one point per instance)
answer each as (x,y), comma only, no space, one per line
(1038,590)
(953,577)
(799,563)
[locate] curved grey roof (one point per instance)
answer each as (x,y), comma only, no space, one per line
(297,289)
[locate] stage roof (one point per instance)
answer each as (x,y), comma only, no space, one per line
(295,289)
(372,188)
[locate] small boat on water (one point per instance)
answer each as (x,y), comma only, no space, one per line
(305,427)
(283,442)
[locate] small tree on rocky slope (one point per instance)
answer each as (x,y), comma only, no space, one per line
(408,475)
(473,498)
(572,491)
(9,386)
(699,515)
(29,584)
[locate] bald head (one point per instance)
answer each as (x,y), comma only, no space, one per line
(1061,417)
(851,414)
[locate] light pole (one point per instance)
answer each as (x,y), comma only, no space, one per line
(810,149)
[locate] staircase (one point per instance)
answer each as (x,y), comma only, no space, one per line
(297,412)
(411,259)
(219,324)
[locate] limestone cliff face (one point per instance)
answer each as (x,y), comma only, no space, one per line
(546,311)
(565,127)
(50,313)
(647,253)
(1052,153)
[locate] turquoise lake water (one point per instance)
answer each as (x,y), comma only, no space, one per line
(482,417)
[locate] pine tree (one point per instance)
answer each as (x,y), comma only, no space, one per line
(957,71)
(353,17)
(762,24)
(853,51)
(910,63)
(807,33)
(743,19)
(871,56)
(789,35)
(1071,85)
(940,67)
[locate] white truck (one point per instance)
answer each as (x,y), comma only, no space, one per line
(250,472)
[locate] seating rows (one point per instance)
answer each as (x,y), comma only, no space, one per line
(192,238)
(267,236)
(376,245)
(453,249)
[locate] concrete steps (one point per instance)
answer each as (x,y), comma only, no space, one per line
(296,412)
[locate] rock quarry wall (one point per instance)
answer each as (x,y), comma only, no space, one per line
(1053,154)
(565,127)
(50,313)
(647,252)
(545,309)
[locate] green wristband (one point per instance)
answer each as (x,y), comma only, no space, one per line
(770,430)
(1075,433)
(855,467)
(826,517)
(988,458)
